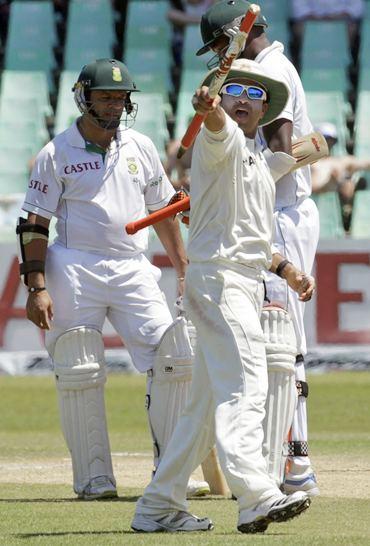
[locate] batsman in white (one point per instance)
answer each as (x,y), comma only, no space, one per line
(296,235)
(95,177)
(231,223)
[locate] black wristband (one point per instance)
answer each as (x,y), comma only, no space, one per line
(281,266)
(35,289)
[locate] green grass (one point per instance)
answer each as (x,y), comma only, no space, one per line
(49,515)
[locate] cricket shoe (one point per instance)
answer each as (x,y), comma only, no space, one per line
(308,484)
(172,522)
(197,488)
(276,509)
(100,487)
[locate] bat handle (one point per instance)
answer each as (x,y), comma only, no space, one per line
(190,134)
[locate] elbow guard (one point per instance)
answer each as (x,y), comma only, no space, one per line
(27,233)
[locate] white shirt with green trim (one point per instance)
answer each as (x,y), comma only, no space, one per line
(94,196)
(294,187)
(232,200)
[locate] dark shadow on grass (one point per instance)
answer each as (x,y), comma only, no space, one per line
(116,499)
(69,533)
(209,498)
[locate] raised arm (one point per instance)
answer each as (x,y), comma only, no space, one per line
(278,135)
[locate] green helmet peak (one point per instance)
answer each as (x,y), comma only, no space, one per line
(222,15)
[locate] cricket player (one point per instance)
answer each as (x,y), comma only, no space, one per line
(94,178)
(296,215)
(229,247)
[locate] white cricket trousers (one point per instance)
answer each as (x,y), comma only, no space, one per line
(87,288)
(228,392)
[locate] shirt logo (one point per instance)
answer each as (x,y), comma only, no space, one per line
(38,185)
(131,165)
(156,182)
(249,160)
(116,74)
(80,167)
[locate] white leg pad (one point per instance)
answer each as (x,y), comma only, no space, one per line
(79,367)
(168,384)
(281,350)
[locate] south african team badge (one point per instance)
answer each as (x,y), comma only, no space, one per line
(131,164)
(116,74)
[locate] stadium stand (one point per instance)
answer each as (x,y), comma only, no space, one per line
(90,32)
(325,56)
(32,48)
(360,226)
(66,110)
(331,226)
(331,107)
(31,63)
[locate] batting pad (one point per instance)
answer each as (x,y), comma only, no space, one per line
(168,384)
(80,377)
(281,350)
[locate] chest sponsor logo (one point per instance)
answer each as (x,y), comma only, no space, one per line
(38,185)
(132,166)
(81,167)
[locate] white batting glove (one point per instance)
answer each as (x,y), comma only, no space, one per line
(232,31)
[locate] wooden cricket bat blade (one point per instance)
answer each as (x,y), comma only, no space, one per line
(213,474)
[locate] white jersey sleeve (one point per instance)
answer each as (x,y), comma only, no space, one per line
(214,147)
(158,190)
(44,188)
(279,163)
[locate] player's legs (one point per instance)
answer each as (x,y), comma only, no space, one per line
(74,281)
(80,378)
(137,308)
(299,474)
(228,391)
(297,233)
(224,306)
(193,438)
(140,314)
(281,350)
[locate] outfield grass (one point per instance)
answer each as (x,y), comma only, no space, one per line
(34,513)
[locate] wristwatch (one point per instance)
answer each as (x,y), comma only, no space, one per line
(34,289)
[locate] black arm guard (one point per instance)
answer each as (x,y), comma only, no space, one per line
(29,266)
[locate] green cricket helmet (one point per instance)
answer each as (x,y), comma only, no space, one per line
(220,17)
(107,75)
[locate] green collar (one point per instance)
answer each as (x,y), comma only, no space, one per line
(94,148)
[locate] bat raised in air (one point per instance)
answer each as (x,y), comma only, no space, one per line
(221,73)
(213,474)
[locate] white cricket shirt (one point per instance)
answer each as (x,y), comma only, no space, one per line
(93,197)
(293,187)
(232,200)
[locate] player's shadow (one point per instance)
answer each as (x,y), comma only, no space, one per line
(70,533)
(116,499)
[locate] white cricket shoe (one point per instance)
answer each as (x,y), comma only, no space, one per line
(100,487)
(278,508)
(197,488)
(308,484)
(172,522)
